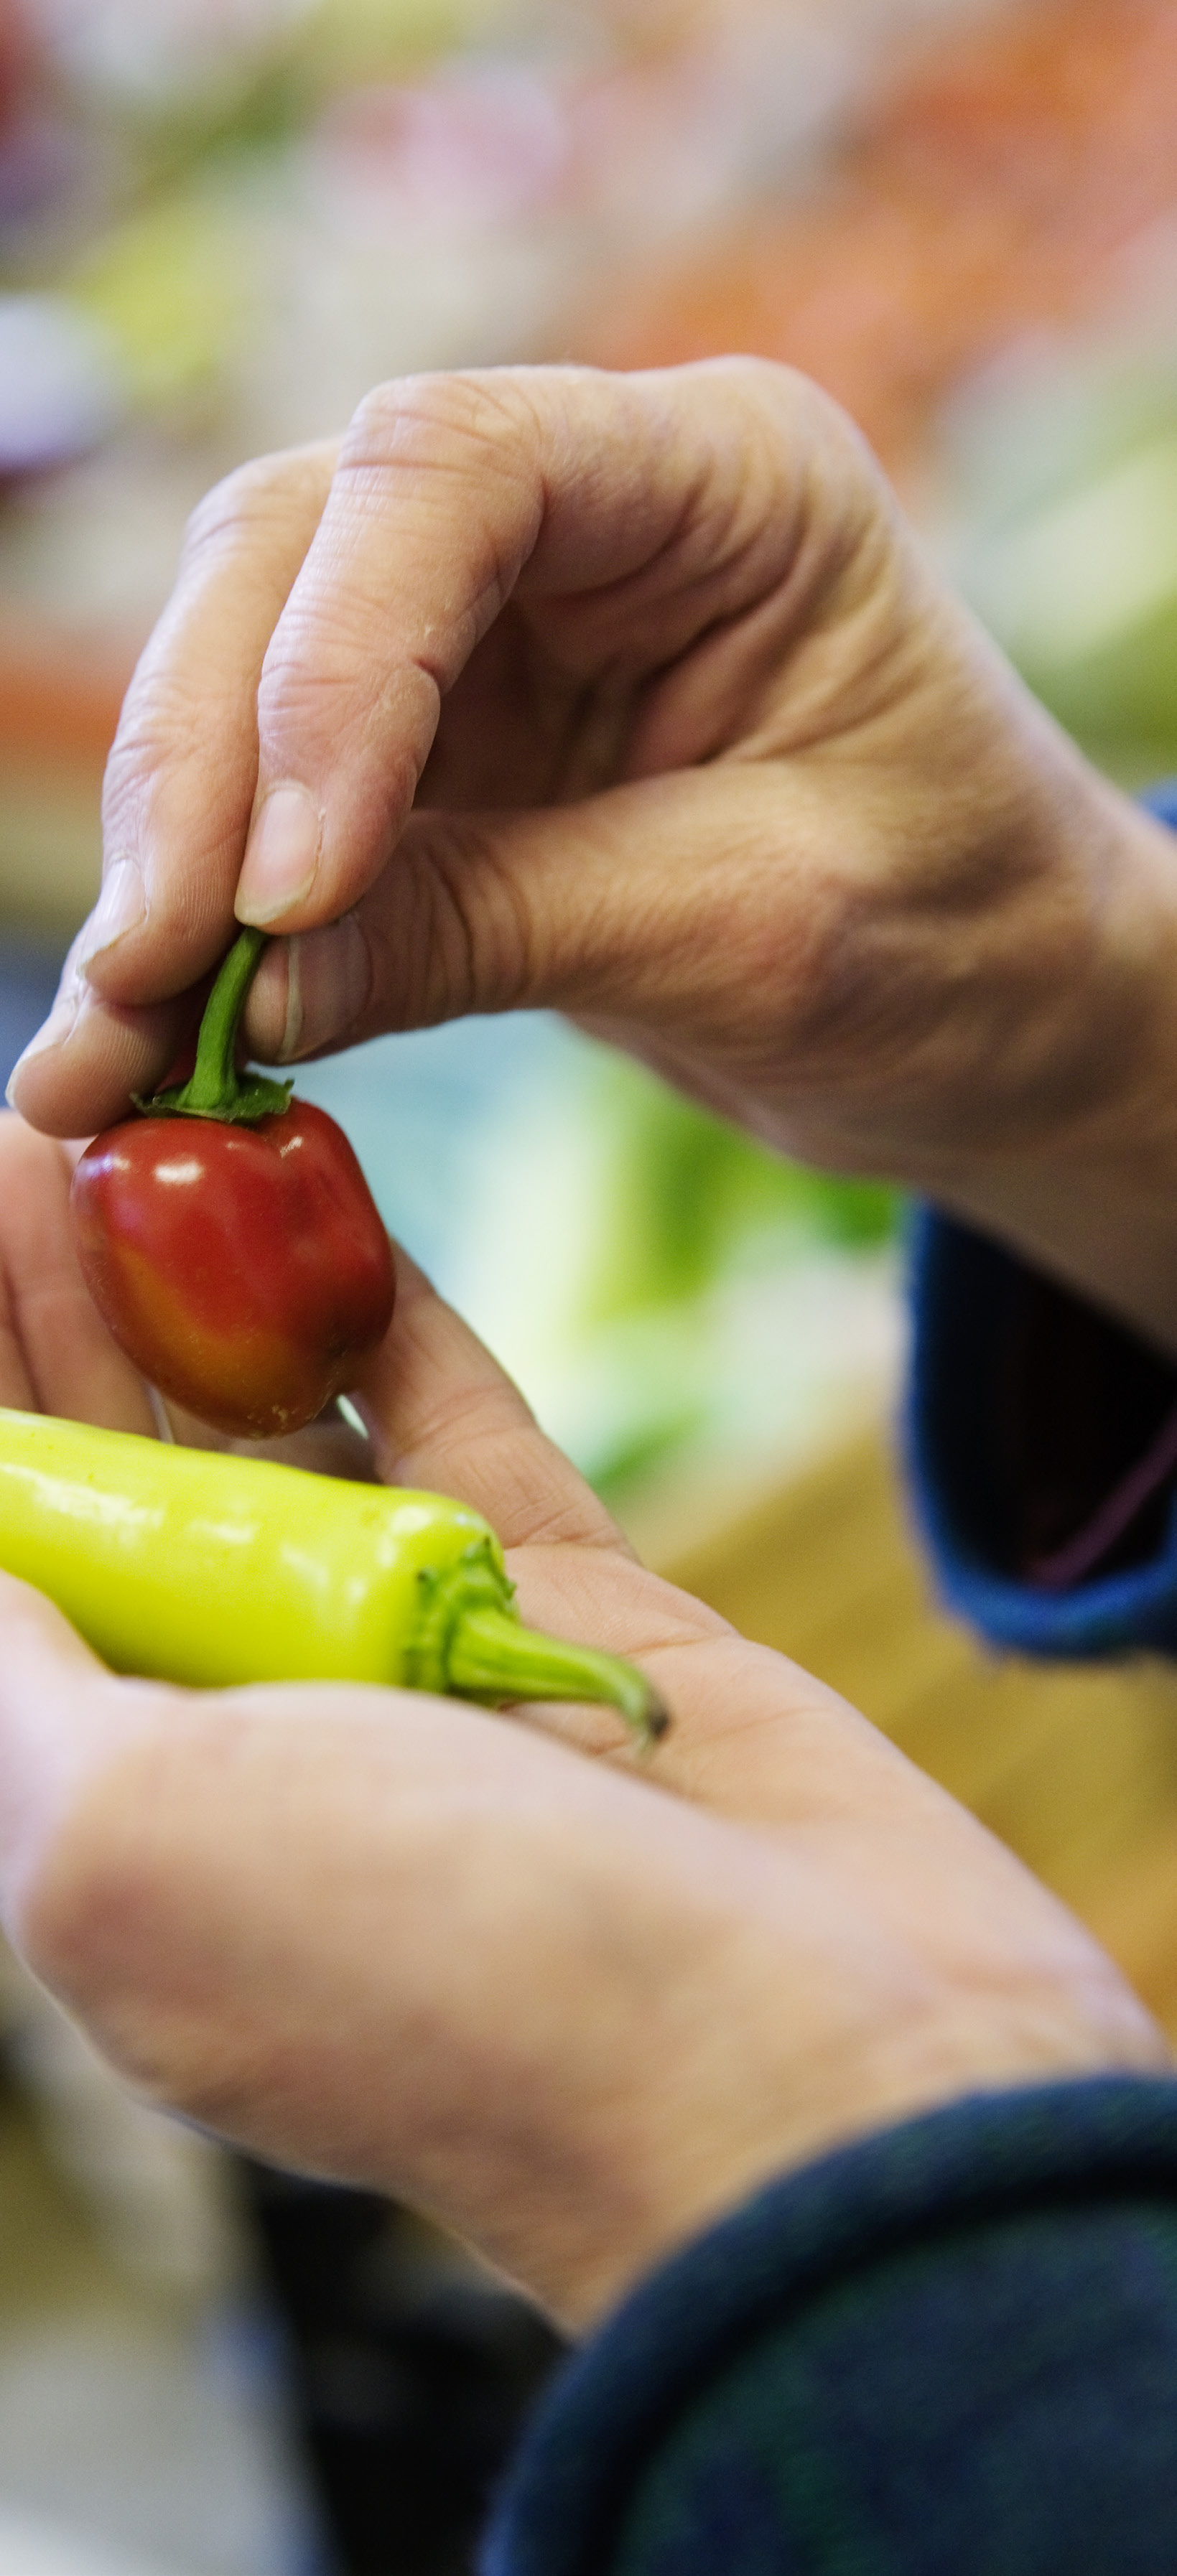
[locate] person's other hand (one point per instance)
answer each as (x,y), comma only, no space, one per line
(575,2007)
(634,695)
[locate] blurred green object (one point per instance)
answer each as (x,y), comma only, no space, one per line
(344,42)
(694,1341)
(1068,487)
(674,1300)
(172,288)
(693,1198)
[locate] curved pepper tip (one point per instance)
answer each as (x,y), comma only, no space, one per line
(658,1719)
(490,1655)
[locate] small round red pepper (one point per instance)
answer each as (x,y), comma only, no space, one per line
(229,1239)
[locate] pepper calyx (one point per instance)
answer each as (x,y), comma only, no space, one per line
(445,1595)
(469,1641)
(216,1088)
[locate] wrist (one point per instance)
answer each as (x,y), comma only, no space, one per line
(1082,1178)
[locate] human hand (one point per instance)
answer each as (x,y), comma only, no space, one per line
(634,695)
(575,2007)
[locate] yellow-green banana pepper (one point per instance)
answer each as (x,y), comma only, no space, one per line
(208,1569)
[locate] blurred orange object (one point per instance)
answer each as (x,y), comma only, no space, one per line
(17,57)
(994,189)
(59,698)
(59,704)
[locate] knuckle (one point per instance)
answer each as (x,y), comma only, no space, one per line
(132,763)
(309,677)
(165,715)
(457,936)
(230,506)
(470,446)
(158,728)
(483,930)
(330,680)
(430,419)
(260,494)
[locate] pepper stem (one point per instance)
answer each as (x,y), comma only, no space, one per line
(489,1655)
(215,1088)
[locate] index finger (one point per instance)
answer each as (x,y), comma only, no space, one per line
(177,799)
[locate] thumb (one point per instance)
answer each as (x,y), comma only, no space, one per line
(63,1718)
(655,902)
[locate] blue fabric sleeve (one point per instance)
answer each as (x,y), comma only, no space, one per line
(969,1302)
(949,2350)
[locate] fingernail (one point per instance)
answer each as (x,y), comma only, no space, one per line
(52,1032)
(281,856)
(120,907)
(327,978)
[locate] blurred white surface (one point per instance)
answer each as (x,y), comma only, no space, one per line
(143,2428)
(148,2446)
(59,383)
(30,2546)
(156,2189)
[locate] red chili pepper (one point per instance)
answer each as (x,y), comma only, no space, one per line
(229,1239)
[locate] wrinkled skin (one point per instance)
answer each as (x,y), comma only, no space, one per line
(342,1926)
(635,695)
(632,696)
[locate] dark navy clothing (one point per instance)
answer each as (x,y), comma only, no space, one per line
(1026,1408)
(950,2349)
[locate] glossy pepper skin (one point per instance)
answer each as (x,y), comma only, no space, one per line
(197,1567)
(244,1269)
(229,1239)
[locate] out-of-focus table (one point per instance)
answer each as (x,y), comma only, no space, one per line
(1073,1766)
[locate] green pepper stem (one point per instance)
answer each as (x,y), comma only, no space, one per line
(490,1656)
(216,1089)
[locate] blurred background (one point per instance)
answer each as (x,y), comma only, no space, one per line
(220,222)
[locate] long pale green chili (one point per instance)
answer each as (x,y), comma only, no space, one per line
(209,1569)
